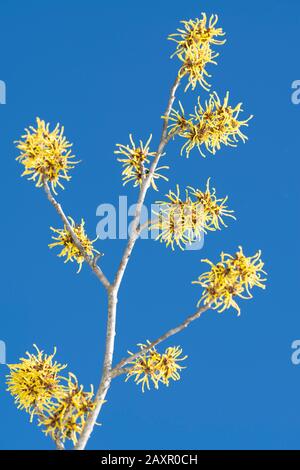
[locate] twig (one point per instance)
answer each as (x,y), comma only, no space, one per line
(90,260)
(106,373)
(59,445)
(117,370)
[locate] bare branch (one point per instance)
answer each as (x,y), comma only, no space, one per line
(59,445)
(90,261)
(117,370)
(106,374)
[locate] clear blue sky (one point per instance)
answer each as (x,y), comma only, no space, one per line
(103,70)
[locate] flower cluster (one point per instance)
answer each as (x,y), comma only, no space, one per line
(136,161)
(34,381)
(214,208)
(233,276)
(181,221)
(66,416)
(211,126)
(194,65)
(194,48)
(46,155)
(70,250)
(197,32)
(59,403)
(153,367)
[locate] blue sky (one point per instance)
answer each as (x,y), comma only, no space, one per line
(103,70)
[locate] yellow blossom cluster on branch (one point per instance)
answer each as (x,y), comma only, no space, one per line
(69,248)
(180,221)
(194,50)
(66,416)
(34,381)
(59,403)
(233,276)
(46,154)
(214,208)
(136,161)
(154,367)
(212,125)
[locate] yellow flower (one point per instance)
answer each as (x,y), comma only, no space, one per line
(232,277)
(153,367)
(59,403)
(197,32)
(215,124)
(136,161)
(45,154)
(168,366)
(66,417)
(249,269)
(35,381)
(70,250)
(214,208)
(195,60)
(178,123)
(177,219)
(194,48)
(144,368)
(180,221)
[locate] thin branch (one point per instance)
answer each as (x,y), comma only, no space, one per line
(59,445)
(117,370)
(106,374)
(90,261)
